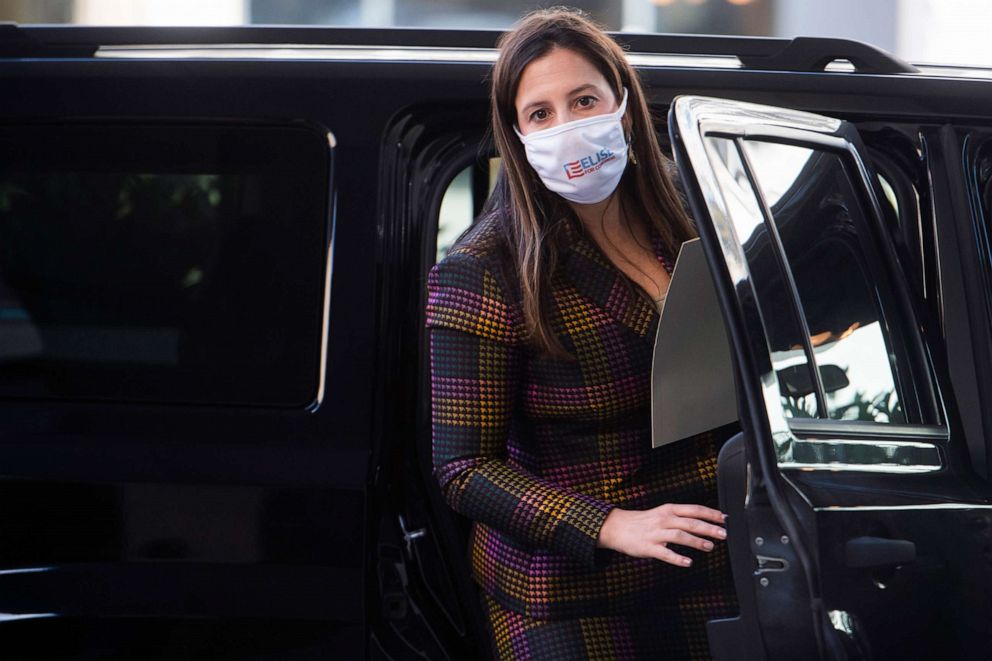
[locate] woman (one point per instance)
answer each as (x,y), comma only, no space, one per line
(586,542)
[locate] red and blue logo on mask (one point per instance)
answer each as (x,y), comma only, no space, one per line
(588,164)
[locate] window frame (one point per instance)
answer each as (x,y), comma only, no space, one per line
(824,443)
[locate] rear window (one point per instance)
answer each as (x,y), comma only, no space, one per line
(163,263)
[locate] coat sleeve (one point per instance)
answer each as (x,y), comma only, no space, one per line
(475,379)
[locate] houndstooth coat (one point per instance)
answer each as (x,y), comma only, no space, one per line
(537,450)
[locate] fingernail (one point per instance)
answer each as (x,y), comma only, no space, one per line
(708,546)
(722,534)
(686,562)
(724,517)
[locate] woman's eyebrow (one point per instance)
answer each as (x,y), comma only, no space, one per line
(580,88)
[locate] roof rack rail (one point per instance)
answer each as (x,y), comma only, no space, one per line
(773,53)
(761,53)
(815,53)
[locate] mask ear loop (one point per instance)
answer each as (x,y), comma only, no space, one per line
(630,136)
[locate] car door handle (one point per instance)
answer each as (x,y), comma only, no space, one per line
(878,552)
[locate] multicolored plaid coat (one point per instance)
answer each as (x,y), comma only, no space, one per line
(537,450)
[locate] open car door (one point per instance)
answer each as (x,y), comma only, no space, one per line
(857,528)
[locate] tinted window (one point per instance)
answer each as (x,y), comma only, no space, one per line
(162,263)
(827,241)
(463,200)
(457,212)
(778,317)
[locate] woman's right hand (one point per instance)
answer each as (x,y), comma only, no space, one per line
(647,533)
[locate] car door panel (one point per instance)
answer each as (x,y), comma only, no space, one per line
(861,510)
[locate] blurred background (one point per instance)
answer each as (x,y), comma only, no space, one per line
(921,31)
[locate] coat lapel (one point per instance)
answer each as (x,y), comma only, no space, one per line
(588,274)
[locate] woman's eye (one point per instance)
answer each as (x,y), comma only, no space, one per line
(586,101)
(539,115)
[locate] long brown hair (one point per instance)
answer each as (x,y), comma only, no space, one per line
(530,215)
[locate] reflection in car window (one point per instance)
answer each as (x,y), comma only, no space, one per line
(456,211)
(890,194)
(162,263)
(461,202)
(782,329)
(824,231)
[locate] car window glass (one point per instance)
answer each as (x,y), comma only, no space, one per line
(162,263)
(456,211)
(782,329)
(462,200)
(824,231)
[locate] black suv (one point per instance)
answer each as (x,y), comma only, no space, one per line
(215,427)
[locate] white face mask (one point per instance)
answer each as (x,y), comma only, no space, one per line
(581,160)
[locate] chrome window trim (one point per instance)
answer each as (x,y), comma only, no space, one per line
(863,429)
(836,467)
(325,320)
(375,54)
(897,508)
(876,455)
(954,71)
(296,52)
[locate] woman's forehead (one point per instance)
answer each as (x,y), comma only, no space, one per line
(555,74)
